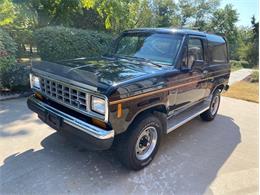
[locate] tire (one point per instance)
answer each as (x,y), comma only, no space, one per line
(129,152)
(211,113)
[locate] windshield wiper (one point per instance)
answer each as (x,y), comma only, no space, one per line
(140,59)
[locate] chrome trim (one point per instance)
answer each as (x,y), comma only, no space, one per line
(186,120)
(89,112)
(79,124)
(30,77)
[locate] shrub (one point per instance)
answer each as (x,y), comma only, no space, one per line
(255,76)
(245,64)
(239,64)
(58,43)
(15,77)
(7,49)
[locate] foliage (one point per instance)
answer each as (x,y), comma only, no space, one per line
(6,12)
(12,76)
(164,12)
(255,76)
(124,14)
(223,22)
(253,51)
(50,12)
(140,14)
(239,64)
(20,29)
(15,77)
(247,47)
(89,19)
(59,43)
(196,13)
(7,49)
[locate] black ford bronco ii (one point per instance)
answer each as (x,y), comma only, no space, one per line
(152,82)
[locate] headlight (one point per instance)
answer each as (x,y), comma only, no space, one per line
(98,105)
(35,82)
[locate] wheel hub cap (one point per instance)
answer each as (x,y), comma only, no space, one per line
(214,105)
(146,143)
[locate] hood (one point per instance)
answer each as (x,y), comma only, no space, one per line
(99,73)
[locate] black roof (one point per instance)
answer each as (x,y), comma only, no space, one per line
(209,36)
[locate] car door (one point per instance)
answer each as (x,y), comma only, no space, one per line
(193,78)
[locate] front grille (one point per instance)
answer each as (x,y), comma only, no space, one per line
(65,94)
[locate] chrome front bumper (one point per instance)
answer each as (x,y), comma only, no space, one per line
(94,133)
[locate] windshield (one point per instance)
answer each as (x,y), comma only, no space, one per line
(157,47)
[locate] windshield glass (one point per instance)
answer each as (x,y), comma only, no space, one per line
(157,47)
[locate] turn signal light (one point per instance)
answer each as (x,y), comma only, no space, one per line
(99,123)
(119,110)
(38,95)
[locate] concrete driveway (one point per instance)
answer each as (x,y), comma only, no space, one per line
(239,75)
(218,157)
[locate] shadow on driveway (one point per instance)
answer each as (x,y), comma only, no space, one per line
(187,162)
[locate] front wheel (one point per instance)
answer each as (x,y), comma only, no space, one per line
(138,146)
(211,113)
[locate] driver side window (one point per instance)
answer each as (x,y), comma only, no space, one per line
(194,53)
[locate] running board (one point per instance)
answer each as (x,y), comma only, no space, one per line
(176,121)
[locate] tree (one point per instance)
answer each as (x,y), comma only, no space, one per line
(124,14)
(248,43)
(244,38)
(53,12)
(253,55)
(164,12)
(223,22)
(113,12)
(140,15)
(88,19)
(6,12)
(205,9)
(195,13)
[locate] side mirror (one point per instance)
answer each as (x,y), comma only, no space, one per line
(184,67)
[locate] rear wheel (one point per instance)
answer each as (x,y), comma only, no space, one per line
(211,113)
(137,147)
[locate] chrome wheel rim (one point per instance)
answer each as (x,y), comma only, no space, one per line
(214,105)
(146,143)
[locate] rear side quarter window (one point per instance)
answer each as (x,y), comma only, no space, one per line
(217,51)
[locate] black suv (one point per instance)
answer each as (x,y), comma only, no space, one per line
(153,81)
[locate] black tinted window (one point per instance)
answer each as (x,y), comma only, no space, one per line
(195,51)
(218,52)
